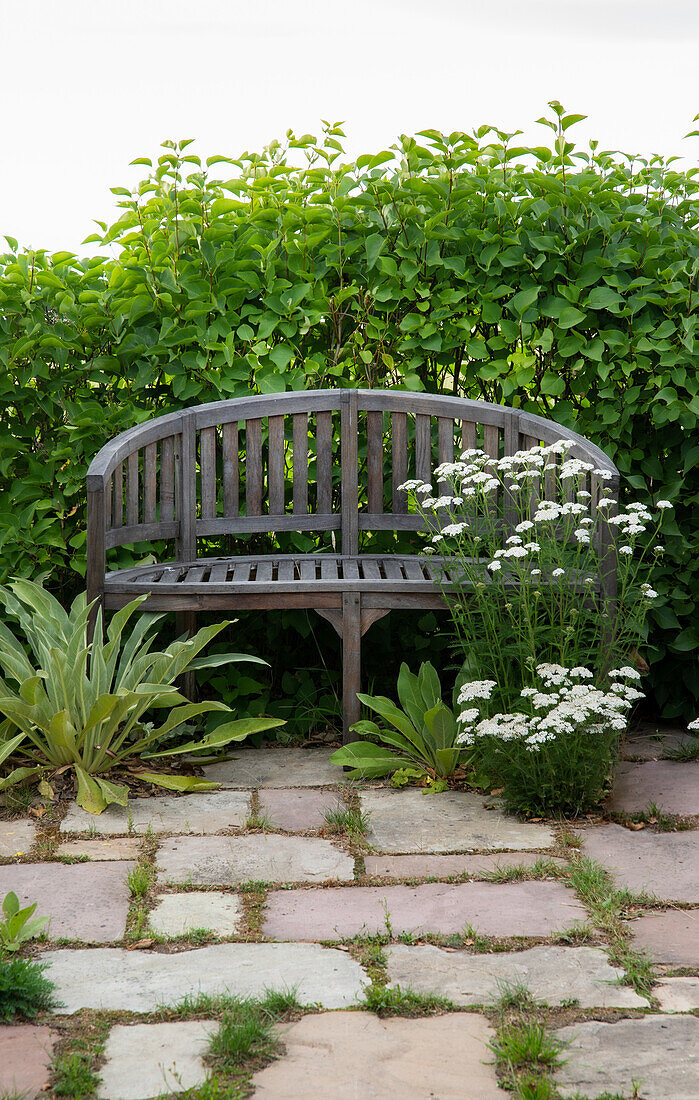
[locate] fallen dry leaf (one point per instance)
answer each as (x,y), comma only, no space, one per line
(497,791)
(636,825)
(140,943)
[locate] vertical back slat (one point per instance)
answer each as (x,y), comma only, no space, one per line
(423,447)
(445,447)
(118,496)
(207,472)
(231,488)
(491,440)
(350,472)
(132,489)
(167,480)
(399,448)
(150,482)
(468,435)
(253,467)
(187,490)
(511,445)
(300,463)
(375,462)
(275,467)
(108,503)
(324,482)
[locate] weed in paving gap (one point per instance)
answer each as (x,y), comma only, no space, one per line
(245,1029)
(473,939)
(212,1089)
(13,1095)
(348,819)
(404,1002)
(569,839)
(655,815)
(514,995)
(638,969)
(533,1087)
(688,750)
(387,918)
(140,879)
(74,1077)
(576,934)
(526,1043)
(24,991)
(543,868)
(18,799)
(256,820)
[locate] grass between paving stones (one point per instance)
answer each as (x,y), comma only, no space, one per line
(526,1053)
(141,881)
(655,816)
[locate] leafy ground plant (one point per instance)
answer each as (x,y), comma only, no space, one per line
(24,991)
(17,925)
(85,705)
(417,738)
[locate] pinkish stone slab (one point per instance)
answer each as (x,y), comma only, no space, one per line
(441,867)
(297,810)
(663,864)
(16,838)
(493,909)
(85,901)
(670,937)
(121,847)
(672,786)
(25,1056)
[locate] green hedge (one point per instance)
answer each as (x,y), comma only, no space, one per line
(558,280)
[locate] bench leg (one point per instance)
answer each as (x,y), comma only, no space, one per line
(186,623)
(351,662)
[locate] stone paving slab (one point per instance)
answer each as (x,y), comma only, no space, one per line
(551,974)
(663,864)
(353,1055)
(147,1060)
(16,838)
(298,810)
(440,867)
(659,1053)
(26,1052)
(410,821)
(514,909)
(122,847)
(85,901)
(671,785)
(178,914)
(206,812)
(670,937)
(226,861)
(139,981)
(678,994)
(277,767)
(652,744)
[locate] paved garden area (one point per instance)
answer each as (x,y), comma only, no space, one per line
(286,880)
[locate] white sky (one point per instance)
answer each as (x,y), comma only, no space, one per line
(87,85)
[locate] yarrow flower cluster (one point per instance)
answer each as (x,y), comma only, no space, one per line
(562,705)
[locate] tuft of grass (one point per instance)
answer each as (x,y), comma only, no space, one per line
(576,934)
(140,879)
(514,995)
(245,1029)
(543,868)
(348,819)
(688,750)
(256,820)
(395,1001)
(532,1087)
(74,1077)
(526,1043)
(569,839)
(24,991)
(19,799)
(472,938)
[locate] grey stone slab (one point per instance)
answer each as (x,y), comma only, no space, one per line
(85,901)
(357,1056)
(654,743)
(257,857)
(672,786)
(514,909)
(417,866)
(26,1052)
(147,1060)
(121,847)
(277,767)
(658,1054)
(670,937)
(16,838)
(410,821)
(139,981)
(206,812)
(178,914)
(551,974)
(298,810)
(665,865)
(678,994)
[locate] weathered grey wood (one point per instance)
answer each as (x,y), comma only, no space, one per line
(207,471)
(350,472)
(132,490)
(94,576)
(445,449)
(118,496)
(351,662)
(230,475)
(423,447)
(167,480)
(142,532)
(187,491)
(150,483)
(375,462)
(275,465)
(491,440)
(468,435)
(324,477)
(251,524)
(300,463)
(253,467)
(399,454)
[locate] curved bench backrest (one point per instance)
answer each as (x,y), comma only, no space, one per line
(302,461)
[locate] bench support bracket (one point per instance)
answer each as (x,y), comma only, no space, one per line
(351,623)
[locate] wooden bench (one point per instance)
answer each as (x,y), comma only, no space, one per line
(292,462)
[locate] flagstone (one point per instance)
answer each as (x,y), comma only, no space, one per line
(553,975)
(204,812)
(298,810)
(85,901)
(411,821)
(670,937)
(16,838)
(139,981)
(147,1060)
(665,865)
(256,857)
(658,1054)
(441,867)
(26,1052)
(277,767)
(178,914)
(656,745)
(678,994)
(672,786)
(346,1055)
(121,847)
(513,909)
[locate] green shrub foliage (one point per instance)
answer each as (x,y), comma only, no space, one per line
(559,280)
